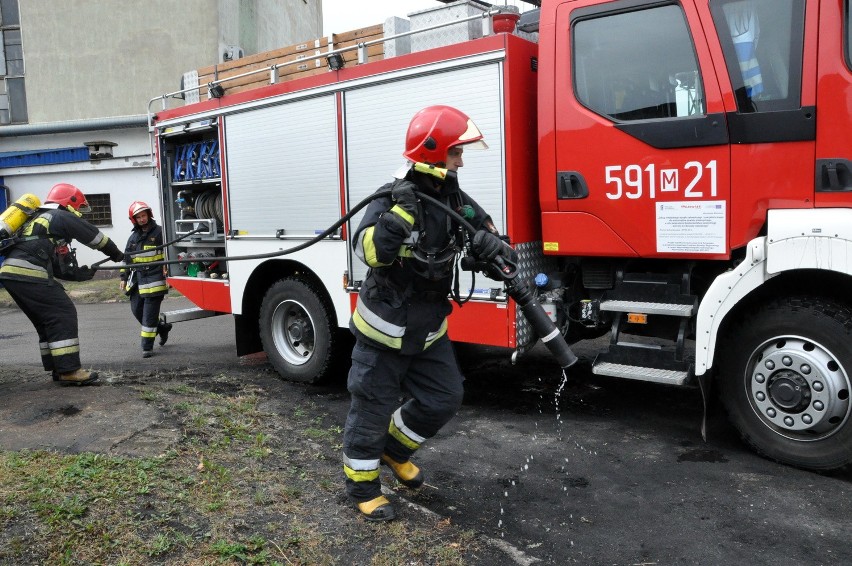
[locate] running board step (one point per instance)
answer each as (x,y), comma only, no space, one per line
(648,298)
(642,364)
(183,315)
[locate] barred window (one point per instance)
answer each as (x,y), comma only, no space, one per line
(101,211)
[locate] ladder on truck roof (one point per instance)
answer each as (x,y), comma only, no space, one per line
(334,57)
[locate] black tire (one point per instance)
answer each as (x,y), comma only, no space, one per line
(298,332)
(785,382)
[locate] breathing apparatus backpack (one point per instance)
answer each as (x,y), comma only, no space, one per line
(13,219)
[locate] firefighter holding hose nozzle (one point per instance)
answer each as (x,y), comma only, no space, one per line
(400,320)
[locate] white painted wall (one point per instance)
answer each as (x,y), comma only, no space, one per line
(126,177)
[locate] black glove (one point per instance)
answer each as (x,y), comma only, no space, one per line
(84,273)
(404,197)
(508,251)
(117,257)
(485,245)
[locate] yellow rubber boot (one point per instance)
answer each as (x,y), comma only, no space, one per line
(78,377)
(378,509)
(405,473)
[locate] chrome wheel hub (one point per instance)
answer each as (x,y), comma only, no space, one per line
(293,332)
(798,388)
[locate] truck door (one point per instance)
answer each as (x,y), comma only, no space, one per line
(641,154)
(769,49)
(834,100)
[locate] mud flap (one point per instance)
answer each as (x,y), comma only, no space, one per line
(704,384)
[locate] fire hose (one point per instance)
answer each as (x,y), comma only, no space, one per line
(499,269)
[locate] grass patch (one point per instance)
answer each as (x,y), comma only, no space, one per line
(86,292)
(243,486)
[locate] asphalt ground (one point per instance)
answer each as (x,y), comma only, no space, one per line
(582,470)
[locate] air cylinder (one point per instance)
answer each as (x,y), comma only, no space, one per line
(14,217)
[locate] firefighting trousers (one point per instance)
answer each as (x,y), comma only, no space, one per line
(147,312)
(431,386)
(55,319)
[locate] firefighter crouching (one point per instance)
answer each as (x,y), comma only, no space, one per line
(400,322)
(40,255)
(146,286)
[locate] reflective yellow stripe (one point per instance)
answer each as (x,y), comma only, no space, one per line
(152,290)
(373,334)
(395,432)
(355,475)
(41,221)
(63,351)
(12,270)
(99,241)
(433,337)
(402,214)
(369,248)
(145,334)
(142,258)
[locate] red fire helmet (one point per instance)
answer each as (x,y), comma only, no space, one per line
(68,196)
(435,129)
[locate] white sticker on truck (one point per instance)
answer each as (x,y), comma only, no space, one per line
(691,227)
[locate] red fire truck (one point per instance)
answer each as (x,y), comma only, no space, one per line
(676,174)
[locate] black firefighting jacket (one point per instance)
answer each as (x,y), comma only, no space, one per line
(34,259)
(151,281)
(403,304)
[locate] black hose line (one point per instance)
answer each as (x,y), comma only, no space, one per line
(97,264)
(500,269)
(330,230)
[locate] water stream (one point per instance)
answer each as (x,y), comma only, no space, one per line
(559,432)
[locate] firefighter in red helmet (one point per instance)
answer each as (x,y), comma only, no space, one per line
(33,264)
(400,319)
(146,286)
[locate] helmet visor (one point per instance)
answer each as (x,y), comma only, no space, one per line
(478,144)
(472,137)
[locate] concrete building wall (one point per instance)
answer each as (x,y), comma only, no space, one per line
(299,19)
(96,58)
(89,58)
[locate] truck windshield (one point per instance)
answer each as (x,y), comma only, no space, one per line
(763,44)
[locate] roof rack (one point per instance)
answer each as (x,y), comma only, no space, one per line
(487,19)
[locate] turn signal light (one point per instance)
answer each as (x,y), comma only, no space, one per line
(637,318)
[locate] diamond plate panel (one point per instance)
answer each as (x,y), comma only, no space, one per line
(449,34)
(655,375)
(647,307)
(531,261)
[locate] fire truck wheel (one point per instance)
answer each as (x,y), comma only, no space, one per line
(785,381)
(297,331)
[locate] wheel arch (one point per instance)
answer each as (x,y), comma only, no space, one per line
(261,279)
(738,291)
(813,282)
